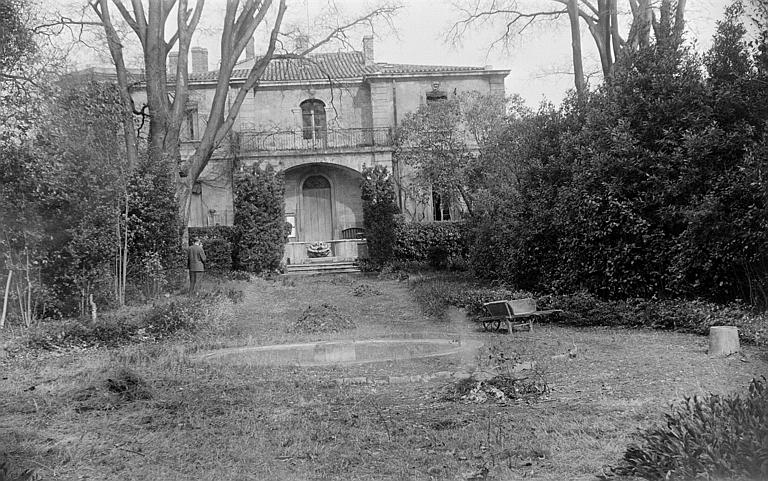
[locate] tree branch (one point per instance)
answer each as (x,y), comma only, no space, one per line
(381,11)
(129,19)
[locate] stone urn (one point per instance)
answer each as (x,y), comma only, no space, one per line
(318,249)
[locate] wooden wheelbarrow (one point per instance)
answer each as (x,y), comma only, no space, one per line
(512,314)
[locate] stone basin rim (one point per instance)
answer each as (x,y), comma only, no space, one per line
(456,345)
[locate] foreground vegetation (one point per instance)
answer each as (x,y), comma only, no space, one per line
(148,410)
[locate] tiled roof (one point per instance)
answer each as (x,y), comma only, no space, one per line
(341,65)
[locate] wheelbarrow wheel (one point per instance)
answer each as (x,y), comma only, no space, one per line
(491,325)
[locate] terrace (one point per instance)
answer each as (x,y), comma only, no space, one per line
(252,141)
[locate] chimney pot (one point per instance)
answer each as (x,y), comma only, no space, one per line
(368,50)
(199,60)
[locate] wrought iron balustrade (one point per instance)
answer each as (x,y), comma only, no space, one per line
(296,140)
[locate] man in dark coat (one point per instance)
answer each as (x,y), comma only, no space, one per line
(195,264)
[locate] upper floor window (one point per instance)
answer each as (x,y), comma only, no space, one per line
(189,129)
(313,119)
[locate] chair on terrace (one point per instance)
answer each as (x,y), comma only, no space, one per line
(353,233)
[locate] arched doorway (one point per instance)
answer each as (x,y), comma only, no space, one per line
(316,212)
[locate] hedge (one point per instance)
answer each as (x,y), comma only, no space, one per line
(217,246)
(441,244)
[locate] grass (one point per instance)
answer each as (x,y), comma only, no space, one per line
(165,417)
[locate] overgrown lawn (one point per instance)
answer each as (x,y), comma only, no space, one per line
(147,411)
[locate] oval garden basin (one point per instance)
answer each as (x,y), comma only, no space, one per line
(341,352)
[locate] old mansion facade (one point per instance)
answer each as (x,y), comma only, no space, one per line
(320,121)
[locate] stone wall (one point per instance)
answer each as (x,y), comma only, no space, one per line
(272,108)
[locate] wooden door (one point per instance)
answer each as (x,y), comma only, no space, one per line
(316,221)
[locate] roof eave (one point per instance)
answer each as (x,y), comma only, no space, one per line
(281,83)
(457,73)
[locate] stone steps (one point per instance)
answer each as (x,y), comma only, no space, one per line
(317,267)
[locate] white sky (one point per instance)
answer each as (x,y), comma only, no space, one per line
(539,60)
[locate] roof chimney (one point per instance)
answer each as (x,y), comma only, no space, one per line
(199,60)
(250,49)
(173,62)
(302,43)
(368,50)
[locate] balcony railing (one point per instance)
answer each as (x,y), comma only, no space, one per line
(291,140)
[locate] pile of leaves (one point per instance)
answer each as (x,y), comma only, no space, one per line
(501,389)
(503,377)
(127,385)
(365,290)
(322,318)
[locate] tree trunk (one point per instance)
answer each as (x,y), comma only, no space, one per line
(640,31)
(679,26)
(578,67)
(5,297)
(184,199)
(615,35)
(605,43)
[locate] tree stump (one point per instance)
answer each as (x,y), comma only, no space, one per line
(723,340)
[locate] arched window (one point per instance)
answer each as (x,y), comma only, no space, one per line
(313,119)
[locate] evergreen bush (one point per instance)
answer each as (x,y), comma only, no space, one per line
(649,186)
(260,229)
(153,221)
(379,210)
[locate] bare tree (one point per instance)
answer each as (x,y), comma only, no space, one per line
(602,18)
(167,97)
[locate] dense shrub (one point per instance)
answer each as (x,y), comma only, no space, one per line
(260,230)
(153,221)
(587,310)
(76,334)
(217,231)
(166,319)
(379,210)
(649,186)
(441,244)
(209,313)
(217,246)
(435,295)
(695,316)
(715,437)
